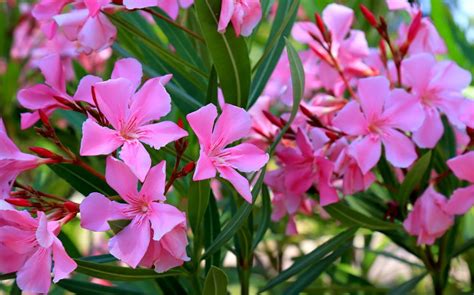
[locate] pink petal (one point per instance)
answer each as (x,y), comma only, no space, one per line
(113,97)
(327,193)
(373,92)
(136,157)
(403,111)
(44,236)
(154,185)
(35,275)
(246,157)
(240,183)
(462,166)
(131,243)
(97,33)
(63,264)
(227,10)
(416,71)
(202,122)
(303,143)
(16,239)
(461,201)
(84,89)
(233,124)
(351,120)
(53,72)
(204,167)
(170,7)
(295,182)
(120,178)
(98,140)
(94,6)
(430,132)
(160,134)
(11,261)
(399,149)
(96,210)
(151,102)
(448,75)
(128,68)
(339,19)
(133,4)
(37,97)
(366,152)
(164,218)
(252,17)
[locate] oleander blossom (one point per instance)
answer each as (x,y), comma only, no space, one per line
(130,115)
(13,162)
(171,7)
(156,234)
(376,119)
(30,247)
(233,124)
(243,14)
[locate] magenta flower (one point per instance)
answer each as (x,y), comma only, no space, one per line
(305,166)
(433,214)
(438,86)
(244,15)
(157,231)
(171,7)
(130,115)
(12,162)
(34,249)
(41,96)
(233,124)
(375,120)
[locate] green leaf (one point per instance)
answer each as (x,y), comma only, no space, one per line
(309,259)
(347,215)
(281,28)
(229,54)
(82,180)
(265,217)
(469,244)
(408,286)
(118,225)
(106,258)
(216,282)
(7,276)
(313,272)
(86,288)
(118,273)
(15,290)
(213,228)
(414,178)
(199,192)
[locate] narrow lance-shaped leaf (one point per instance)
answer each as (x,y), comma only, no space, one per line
(414,178)
(216,282)
(198,200)
(229,53)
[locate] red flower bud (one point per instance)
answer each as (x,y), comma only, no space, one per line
(414,27)
(188,168)
(369,16)
(180,123)
(71,207)
(273,119)
(19,202)
(44,153)
(44,118)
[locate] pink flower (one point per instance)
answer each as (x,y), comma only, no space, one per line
(41,96)
(375,120)
(88,26)
(34,247)
(130,115)
(305,166)
(433,214)
(398,4)
(348,46)
(233,124)
(438,86)
(45,10)
(171,7)
(157,231)
(463,198)
(12,162)
(244,15)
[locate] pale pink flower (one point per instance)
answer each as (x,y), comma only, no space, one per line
(130,115)
(156,234)
(44,11)
(375,120)
(398,4)
(306,165)
(438,86)
(41,96)
(233,124)
(171,7)
(433,214)
(34,249)
(463,198)
(348,46)
(87,25)
(244,15)
(263,131)
(12,162)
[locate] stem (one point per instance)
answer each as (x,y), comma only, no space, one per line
(173,23)
(82,164)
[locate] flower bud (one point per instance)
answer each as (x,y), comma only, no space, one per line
(369,16)
(19,202)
